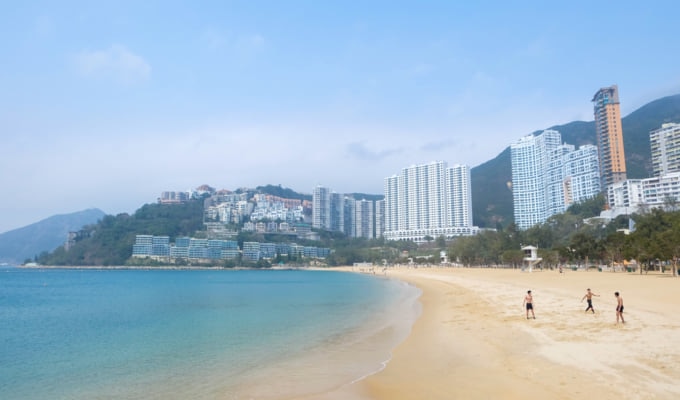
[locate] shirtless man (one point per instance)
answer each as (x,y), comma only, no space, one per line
(589,295)
(528,302)
(619,308)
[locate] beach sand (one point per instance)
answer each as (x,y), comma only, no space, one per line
(473,340)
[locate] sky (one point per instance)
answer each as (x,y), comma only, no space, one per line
(106,104)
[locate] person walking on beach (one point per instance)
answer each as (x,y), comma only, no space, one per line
(589,295)
(619,308)
(529,303)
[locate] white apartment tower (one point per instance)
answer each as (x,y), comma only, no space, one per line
(321,208)
(428,200)
(363,216)
(548,177)
(580,174)
(349,205)
(665,146)
(633,195)
(530,169)
(460,206)
(379,218)
(327,210)
(337,212)
(392,216)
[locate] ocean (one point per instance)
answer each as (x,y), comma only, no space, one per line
(195,334)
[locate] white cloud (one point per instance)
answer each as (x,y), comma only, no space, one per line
(116,62)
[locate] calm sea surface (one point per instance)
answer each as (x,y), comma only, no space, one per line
(128,334)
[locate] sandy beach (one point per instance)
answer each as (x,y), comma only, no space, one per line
(473,340)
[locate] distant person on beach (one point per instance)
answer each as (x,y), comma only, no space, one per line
(529,303)
(619,308)
(589,296)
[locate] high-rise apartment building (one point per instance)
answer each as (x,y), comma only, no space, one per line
(548,176)
(428,200)
(349,206)
(364,217)
(580,175)
(327,210)
(530,166)
(379,218)
(321,208)
(337,212)
(665,146)
(609,136)
(342,213)
(392,216)
(460,205)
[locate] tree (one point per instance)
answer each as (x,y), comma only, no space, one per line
(515,258)
(613,246)
(644,245)
(588,208)
(670,203)
(550,257)
(670,247)
(668,239)
(583,247)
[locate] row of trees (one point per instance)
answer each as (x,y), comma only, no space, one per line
(653,243)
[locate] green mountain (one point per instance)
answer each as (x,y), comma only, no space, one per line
(109,242)
(285,193)
(492,197)
(23,243)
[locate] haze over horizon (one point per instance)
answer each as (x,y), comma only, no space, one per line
(105,105)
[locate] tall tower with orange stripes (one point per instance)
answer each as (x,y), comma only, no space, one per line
(609,136)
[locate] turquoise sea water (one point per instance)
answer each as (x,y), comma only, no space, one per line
(128,334)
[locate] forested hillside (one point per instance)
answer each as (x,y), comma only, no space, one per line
(110,241)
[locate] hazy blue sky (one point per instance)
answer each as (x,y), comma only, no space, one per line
(106,104)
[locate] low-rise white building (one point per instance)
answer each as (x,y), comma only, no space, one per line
(633,195)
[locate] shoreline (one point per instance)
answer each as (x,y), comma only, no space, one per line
(473,340)
(164,267)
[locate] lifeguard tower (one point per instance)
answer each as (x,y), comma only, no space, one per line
(531,258)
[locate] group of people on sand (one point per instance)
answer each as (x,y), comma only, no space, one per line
(529,304)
